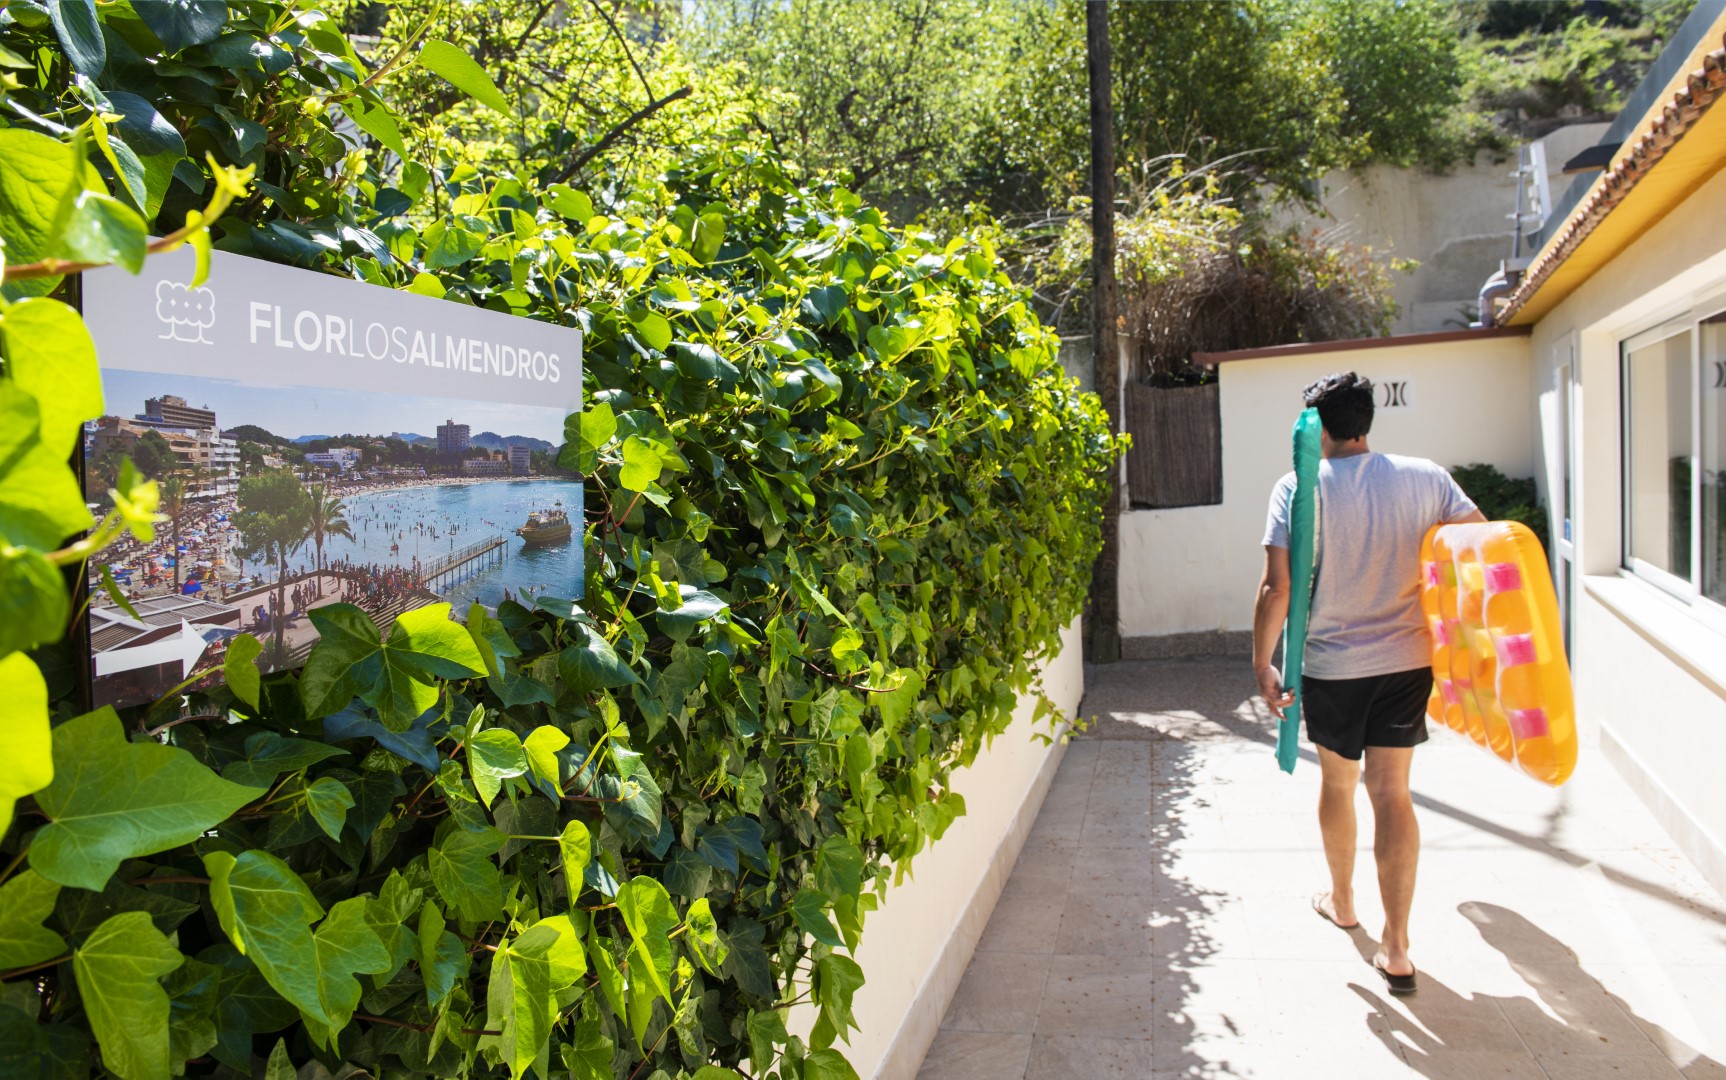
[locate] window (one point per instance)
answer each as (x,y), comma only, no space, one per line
(1675,456)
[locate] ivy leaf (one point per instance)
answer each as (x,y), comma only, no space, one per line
(155,143)
(113,800)
(827,1065)
(835,983)
(118,968)
(463,872)
(596,428)
(378,122)
(442,958)
(606,972)
(642,464)
(714,1072)
(588,1055)
(396,677)
(650,916)
(102,229)
(809,909)
(280,1066)
(519,1000)
(568,955)
(459,70)
(541,747)
(839,867)
(34,170)
(192,988)
(24,718)
(80,35)
(576,846)
(709,235)
(26,900)
(267,911)
(245,1004)
(269,755)
(493,756)
(40,503)
(704,940)
(653,328)
(593,664)
(49,355)
(180,24)
(329,801)
(50,1051)
(240,669)
(747,963)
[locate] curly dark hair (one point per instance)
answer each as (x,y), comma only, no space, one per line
(1344,404)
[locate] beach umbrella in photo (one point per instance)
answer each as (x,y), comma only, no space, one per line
(191,586)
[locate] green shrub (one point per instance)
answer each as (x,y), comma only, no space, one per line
(1501,498)
(841,503)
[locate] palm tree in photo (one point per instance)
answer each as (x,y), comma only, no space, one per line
(176,491)
(329,519)
(273,514)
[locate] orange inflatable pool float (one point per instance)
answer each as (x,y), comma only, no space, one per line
(1499,672)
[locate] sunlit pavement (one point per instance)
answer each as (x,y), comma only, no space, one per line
(1158,922)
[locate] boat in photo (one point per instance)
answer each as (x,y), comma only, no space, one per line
(545,527)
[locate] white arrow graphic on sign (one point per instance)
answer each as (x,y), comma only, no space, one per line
(185,646)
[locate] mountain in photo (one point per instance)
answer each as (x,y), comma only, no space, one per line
(311,438)
(491,440)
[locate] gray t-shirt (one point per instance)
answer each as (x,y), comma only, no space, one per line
(1374,511)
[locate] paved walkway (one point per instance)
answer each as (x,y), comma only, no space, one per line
(1157,923)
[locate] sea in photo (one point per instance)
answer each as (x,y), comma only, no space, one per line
(282,500)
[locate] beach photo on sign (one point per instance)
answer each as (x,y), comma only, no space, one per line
(281,500)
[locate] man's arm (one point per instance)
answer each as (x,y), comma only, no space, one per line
(1269,613)
(1473,517)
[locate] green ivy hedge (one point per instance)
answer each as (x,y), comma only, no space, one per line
(841,503)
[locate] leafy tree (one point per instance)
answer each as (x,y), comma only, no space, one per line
(898,95)
(153,456)
(328,519)
(274,516)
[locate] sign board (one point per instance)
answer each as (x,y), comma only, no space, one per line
(318,440)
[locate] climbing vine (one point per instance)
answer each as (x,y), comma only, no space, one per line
(841,503)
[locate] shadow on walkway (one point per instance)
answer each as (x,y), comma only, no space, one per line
(1582,1020)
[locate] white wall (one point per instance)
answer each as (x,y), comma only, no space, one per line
(1195,569)
(1649,669)
(916,947)
(1454,224)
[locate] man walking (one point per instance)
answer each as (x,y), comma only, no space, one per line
(1368,655)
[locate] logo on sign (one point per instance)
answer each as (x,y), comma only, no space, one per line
(187,312)
(1393,395)
(1720,374)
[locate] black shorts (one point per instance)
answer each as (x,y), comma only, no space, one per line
(1346,715)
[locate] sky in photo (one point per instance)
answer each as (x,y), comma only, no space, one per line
(292,411)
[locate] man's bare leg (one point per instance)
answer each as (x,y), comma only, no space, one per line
(1396,848)
(1336,822)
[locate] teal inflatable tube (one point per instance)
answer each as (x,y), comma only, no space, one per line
(1303,535)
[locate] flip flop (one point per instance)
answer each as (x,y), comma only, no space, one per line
(1317,902)
(1399,985)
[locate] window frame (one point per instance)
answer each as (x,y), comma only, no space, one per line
(1687,590)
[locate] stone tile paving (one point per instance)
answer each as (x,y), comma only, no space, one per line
(1157,923)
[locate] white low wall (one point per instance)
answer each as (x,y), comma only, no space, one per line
(916,947)
(1195,569)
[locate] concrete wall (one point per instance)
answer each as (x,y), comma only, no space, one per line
(1455,224)
(1194,570)
(916,947)
(1650,668)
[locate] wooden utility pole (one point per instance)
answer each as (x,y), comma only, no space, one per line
(1104,644)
